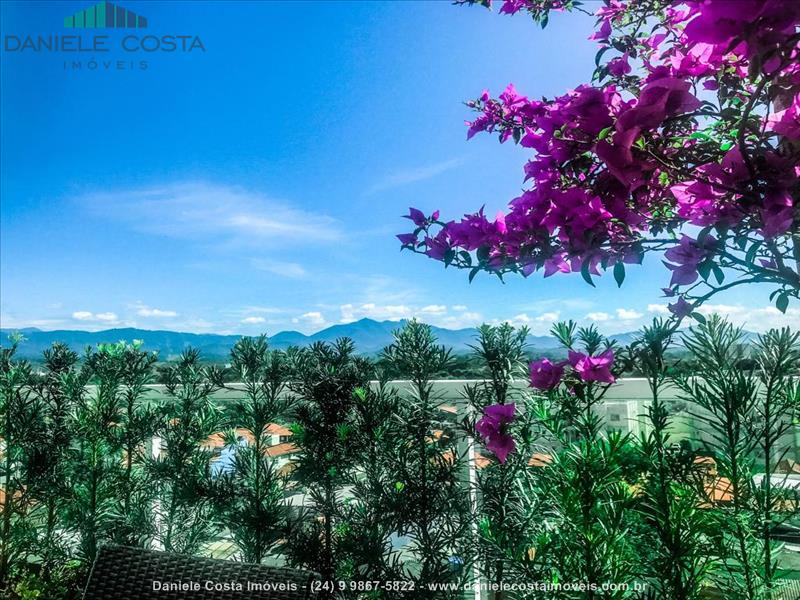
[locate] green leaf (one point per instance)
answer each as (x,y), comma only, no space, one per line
(726,146)
(473,272)
(704,268)
(751,252)
(399,486)
(701,237)
(604,133)
(619,273)
(741,242)
(718,274)
(782,303)
(587,277)
(449,255)
(699,318)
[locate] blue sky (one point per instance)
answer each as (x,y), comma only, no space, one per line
(257,186)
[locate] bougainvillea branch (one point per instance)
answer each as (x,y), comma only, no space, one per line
(687,141)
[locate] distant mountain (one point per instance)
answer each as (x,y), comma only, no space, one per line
(369,336)
(168,343)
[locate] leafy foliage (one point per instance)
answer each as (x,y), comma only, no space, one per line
(385,483)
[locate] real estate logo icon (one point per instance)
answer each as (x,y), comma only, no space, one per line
(105,15)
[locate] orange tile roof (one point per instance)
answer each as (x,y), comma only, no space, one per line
(281,449)
(217,440)
(481,462)
(537,460)
(436,435)
(287,469)
(719,490)
(275,429)
(787,465)
(540,460)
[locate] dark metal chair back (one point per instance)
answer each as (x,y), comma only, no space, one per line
(122,573)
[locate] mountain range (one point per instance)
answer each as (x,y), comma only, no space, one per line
(370,337)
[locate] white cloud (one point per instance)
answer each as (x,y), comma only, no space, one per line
(104,317)
(524,319)
(758,320)
(283,269)
(548,317)
(462,320)
(146,311)
(598,316)
(725,310)
(11,321)
(227,215)
(413,175)
(310,318)
(433,309)
(658,308)
(253,320)
(538,325)
(458,307)
(628,314)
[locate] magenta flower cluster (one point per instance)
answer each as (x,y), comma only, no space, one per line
(545,375)
(493,428)
(616,163)
(686,257)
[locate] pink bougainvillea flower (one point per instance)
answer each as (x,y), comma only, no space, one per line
(511,7)
(619,66)
(603,33)
(786,122)
(688,255)
(407,239)
(698,202)
(662,98)
(593,368)
(777,213)
(680,308)
(754,24)
(556,264)
(500,222)
(416,216)
(546,375)
(768,263)
(437,246)
(493,428)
